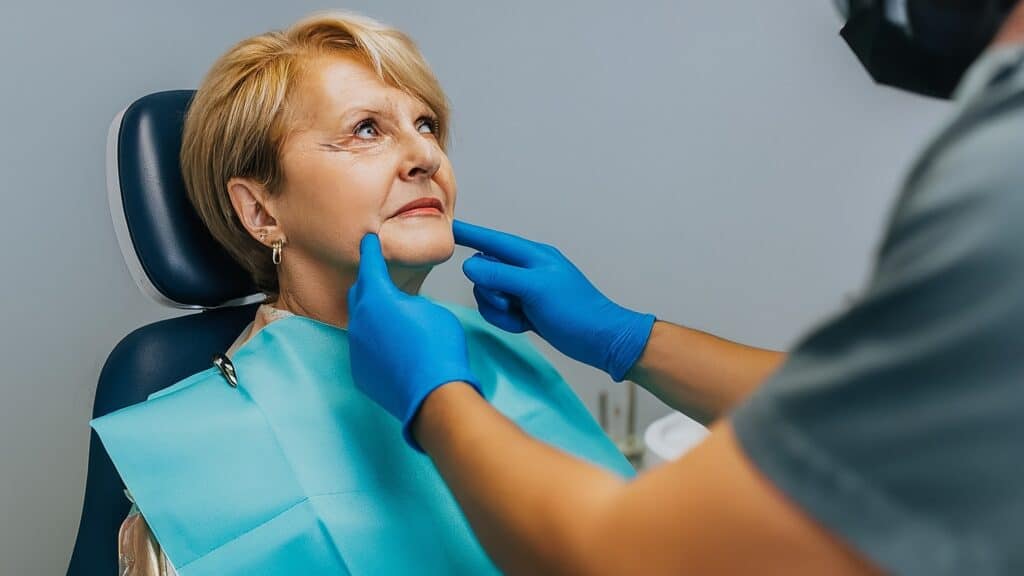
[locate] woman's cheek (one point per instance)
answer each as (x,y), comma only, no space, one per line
(445,180)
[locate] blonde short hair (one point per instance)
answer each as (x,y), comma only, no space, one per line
(238,120)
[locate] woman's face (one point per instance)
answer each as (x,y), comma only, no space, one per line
(363,157)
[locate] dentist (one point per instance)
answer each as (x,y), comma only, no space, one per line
(890,440)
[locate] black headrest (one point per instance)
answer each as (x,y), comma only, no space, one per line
(170,253)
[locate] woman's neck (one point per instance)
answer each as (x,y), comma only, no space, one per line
(316,291)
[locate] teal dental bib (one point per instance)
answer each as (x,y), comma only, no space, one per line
(297,472)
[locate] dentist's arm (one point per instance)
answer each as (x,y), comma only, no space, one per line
(537,510)
(523,285)
(700,374)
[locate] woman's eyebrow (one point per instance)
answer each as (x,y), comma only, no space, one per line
(381,106)
(422,109)
(359,111)
(384,108)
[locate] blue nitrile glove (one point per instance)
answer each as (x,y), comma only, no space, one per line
(402,347)
(522,285)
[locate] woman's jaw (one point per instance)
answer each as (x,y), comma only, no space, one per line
(419,237)
(412,245)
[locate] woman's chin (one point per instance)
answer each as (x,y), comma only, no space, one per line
(417,246)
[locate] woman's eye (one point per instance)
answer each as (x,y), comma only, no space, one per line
(428,126)
(366,129)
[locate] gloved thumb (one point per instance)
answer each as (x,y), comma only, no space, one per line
(373,270)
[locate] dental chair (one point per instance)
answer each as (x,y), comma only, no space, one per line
(174,260)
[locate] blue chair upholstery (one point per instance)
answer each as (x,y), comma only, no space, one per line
(175,260)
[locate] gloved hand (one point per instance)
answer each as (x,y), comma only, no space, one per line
(522,285)
(402,347)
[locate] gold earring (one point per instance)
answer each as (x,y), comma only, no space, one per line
(278,245)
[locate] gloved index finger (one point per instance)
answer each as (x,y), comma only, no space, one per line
(510,248)
(372,267)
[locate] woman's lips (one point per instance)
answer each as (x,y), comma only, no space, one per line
(421,207)
(420,212)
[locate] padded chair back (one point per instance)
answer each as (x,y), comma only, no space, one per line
(174,260)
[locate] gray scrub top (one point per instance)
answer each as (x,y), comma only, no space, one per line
(899,424)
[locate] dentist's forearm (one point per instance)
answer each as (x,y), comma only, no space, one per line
(699,374)
(537,510)
(533,507)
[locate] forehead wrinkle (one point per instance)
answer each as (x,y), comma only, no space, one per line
(324,85)
(353,92)
(382,105)
(390,106)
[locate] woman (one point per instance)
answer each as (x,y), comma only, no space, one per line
(297,144)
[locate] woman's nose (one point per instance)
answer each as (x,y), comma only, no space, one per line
(422,158)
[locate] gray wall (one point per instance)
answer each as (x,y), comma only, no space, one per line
(723,164)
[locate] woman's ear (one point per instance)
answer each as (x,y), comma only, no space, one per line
(252,205)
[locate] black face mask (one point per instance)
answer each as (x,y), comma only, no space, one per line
(944,38)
